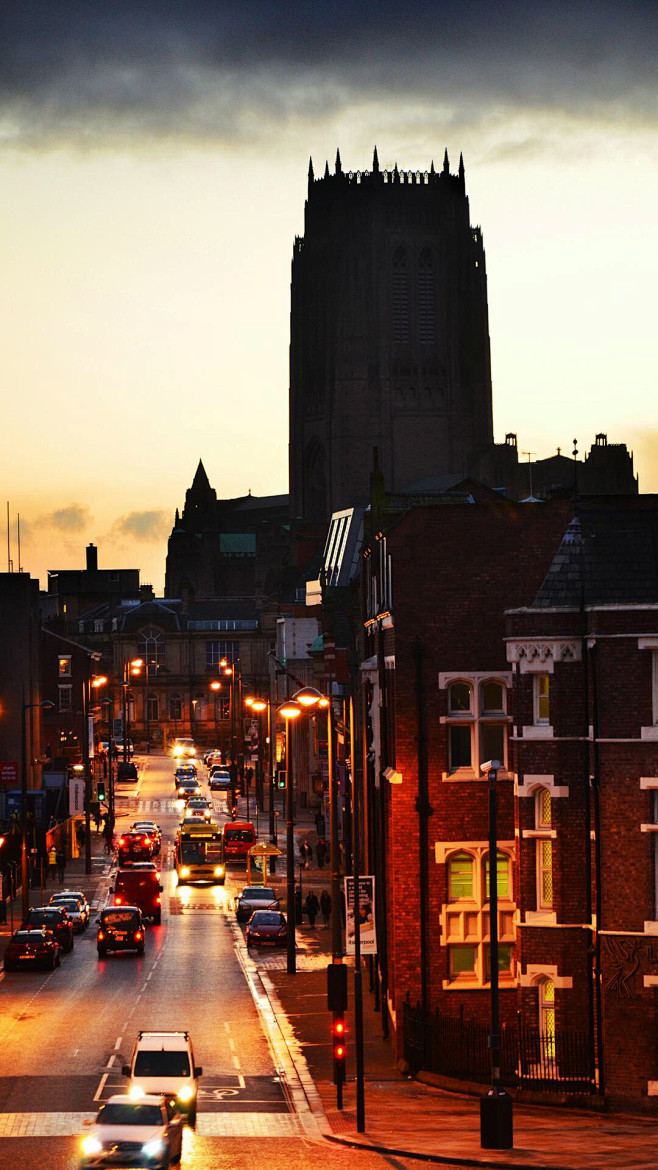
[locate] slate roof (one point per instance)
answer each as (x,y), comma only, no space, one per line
(607,556)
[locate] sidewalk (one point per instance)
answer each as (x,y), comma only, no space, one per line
(408,1117)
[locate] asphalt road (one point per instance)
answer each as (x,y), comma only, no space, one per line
(64,1035)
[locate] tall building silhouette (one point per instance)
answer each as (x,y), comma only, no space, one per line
(389,343)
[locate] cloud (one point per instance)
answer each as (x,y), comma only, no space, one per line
(142,526)
(228,70)
(72,519)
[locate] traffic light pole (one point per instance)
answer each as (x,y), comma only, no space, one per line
(290,863)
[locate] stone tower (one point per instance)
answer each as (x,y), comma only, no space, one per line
(389,343)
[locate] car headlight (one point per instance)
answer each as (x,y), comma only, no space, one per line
(153,1148)
(136,1091)
(91,1145)
(185,872)
(219,871)
(186,1093)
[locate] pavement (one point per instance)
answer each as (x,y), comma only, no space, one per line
(412,1117)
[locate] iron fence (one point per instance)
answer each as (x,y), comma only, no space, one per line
(459,1047)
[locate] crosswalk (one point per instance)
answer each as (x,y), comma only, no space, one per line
(137,804)
(238,1125)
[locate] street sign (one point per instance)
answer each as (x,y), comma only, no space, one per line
(8,773)
(366,906)
(76,797)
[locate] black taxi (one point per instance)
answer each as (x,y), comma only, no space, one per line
(120,928)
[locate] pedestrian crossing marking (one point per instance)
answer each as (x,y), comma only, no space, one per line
(238,1125)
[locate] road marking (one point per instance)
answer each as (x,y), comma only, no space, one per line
(99,1090)
(111,1061)
(231,1043)
(236,1061)
(117,1044)
(227,1026)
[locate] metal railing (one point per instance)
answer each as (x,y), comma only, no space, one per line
(458,1047)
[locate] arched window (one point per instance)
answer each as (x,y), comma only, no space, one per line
(175,707)
(152,648)
(543,811)
(503,871)
(401,335)
(547,1016)
(459,699)
(460,876)
(426,299)
(544,847)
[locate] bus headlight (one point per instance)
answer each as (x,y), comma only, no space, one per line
(186,1093)
(185,871)
(219,871)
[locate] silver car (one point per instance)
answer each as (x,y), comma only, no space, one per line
(255,898)
(78,913)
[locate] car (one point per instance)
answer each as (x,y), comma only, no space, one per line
(199,805)
(188,787)
(56,920)
(127,771)
(219,780)
(139,886)
(184,747)
(76,907)
(212,756)
(120,928)
(163,1062)
(185,772)
(134,846)
(31,947)
(267,928)
(150,829)
(76,913)
(127,1132)
(254,898)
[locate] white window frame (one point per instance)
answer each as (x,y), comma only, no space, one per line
(465,921)
(67,658)
(475,719)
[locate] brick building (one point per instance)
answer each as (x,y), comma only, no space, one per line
(585,757)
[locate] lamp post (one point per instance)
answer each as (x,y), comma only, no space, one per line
(496,1126)
(215,686)
(92,681)
(45,705)
(108,702)
(131,666)
(289,711)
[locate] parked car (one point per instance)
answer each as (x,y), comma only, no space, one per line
(219,779)
(31,948)
(267,928)
(254,898)
(76,906)
(127,771)
(163,1062)
(148,1131)
(120,928)
(56,920)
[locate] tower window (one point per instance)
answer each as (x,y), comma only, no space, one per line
(426,299)
(400,299)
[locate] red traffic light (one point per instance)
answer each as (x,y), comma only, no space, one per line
(339,1052)
(339,1027)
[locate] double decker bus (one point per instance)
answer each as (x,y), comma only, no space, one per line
(199,853)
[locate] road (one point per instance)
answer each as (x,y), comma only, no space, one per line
(64,1035)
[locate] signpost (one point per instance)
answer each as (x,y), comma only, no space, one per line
(366,908)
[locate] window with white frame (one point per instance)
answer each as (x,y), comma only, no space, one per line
(65,695)
(476,724)
(465,917)
(544,847)
(541,700)
(152,648)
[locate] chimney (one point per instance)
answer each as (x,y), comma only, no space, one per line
(92,558)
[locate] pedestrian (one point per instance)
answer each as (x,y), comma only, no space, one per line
(61,865)
(97,818)
(319,823)
(108,834)
(80,835)
(311,906)
(321,852)
(306,853)
(325,906)
(52,860)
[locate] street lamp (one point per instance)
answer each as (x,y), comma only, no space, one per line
(92,681)
(289,711)
(131,666)
(215,686)
(496,1126)
(45,705)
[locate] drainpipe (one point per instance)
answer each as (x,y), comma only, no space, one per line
(424,811)
(596,800)
(588,839)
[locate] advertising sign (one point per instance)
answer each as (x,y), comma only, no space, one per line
(366,912)
(76,796)
(8,773)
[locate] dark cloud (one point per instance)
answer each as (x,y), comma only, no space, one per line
(229,69)
(73,518)
(142,526)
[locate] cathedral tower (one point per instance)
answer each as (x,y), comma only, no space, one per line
(389,343)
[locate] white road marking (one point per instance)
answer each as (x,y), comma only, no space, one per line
(101,1086)
(231,1043)
(111,1061)
(117,1044)
(236,1061)
(227,1026)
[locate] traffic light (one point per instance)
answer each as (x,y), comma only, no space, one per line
(338,1033)
(281,778)
(101,789)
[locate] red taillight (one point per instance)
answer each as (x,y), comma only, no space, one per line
(122,840)
(118,900)
(101,934)
(158,898)
(139,934)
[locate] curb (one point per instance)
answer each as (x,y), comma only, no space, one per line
(441,1159)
